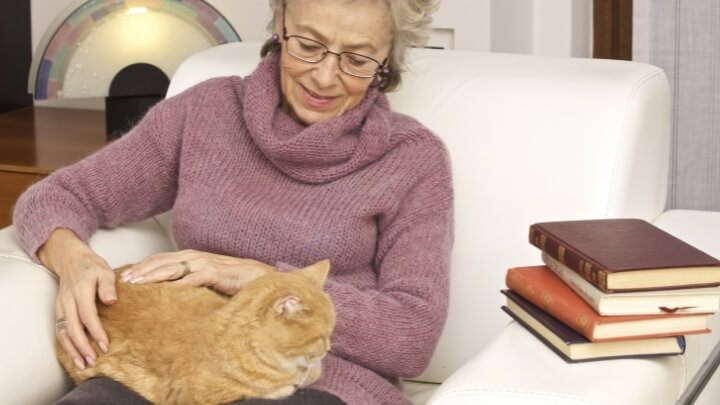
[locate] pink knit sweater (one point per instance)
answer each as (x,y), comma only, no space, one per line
(371,190)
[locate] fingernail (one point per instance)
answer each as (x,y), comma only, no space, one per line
(125,275)
(103,347)
(111,298)
(79,364)
(136,280)
(90,361)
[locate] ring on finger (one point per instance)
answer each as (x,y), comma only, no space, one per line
(186,268)
(61,323)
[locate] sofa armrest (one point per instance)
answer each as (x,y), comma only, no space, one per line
(516,367)
(702,230)
(27,299)
(27,308)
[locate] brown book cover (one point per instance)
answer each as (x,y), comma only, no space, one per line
(625,254)
(540,286)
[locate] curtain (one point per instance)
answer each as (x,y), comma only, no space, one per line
(683,38)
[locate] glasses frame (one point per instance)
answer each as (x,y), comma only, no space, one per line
(382,68)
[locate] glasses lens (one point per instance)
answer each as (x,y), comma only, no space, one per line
(305,49)
(358,65)
(312,51)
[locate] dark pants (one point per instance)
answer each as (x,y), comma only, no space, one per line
(105,391)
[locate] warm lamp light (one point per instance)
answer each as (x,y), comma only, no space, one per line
(124,51)
(137,10)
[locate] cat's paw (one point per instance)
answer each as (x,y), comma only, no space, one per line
(281,392)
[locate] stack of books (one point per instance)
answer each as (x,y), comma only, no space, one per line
(613,288)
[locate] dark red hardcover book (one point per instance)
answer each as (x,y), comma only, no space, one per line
(625,254)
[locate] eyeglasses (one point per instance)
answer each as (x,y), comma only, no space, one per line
(312,51)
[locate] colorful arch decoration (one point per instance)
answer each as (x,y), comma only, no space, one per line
(51,69)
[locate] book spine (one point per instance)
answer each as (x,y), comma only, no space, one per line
(571,259)
(564,306)
(582,287)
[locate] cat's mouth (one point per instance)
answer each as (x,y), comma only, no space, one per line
(306,369)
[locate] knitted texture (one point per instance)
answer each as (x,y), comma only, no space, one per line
(371,190)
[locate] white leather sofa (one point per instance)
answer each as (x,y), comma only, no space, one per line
(531,139)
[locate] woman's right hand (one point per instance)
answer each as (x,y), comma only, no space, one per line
(83,276)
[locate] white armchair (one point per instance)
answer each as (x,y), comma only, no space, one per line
(531,139)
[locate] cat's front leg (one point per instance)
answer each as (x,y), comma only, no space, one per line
(311,375)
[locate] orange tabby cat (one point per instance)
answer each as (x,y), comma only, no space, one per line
(186,345)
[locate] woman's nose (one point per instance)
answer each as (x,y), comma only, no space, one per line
(327,70)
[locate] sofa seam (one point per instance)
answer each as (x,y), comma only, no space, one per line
(623,138)
(27,260)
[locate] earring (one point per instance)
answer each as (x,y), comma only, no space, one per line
(275,37)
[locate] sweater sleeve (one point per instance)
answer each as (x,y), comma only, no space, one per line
(129,180)
(394,328)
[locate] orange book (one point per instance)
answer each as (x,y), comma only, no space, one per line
(540,286)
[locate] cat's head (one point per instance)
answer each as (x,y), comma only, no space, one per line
(295,317)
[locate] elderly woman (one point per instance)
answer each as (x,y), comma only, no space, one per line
(300,161)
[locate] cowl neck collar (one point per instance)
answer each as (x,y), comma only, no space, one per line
(320,152)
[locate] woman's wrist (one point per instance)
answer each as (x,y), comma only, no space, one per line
(60,243)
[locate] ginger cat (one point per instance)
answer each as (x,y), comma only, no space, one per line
(188,345)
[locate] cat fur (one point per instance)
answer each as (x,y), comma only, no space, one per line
(177,344)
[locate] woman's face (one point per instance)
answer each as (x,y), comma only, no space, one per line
(315,92)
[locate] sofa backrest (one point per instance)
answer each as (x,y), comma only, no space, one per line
(531,139)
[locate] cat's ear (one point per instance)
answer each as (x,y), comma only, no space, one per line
(316,272)
(288,306)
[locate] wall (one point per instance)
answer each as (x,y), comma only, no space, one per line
(15,47)
(543,27)
(540,27)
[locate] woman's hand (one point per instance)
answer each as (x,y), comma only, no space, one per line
(83,276)
(225,274)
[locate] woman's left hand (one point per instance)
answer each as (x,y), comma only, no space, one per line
(225,274)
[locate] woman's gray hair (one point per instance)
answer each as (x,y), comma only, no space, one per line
(411,21)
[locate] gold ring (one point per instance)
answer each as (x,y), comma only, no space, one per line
(186,268)
(61,323)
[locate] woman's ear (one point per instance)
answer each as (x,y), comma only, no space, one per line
(278,19)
